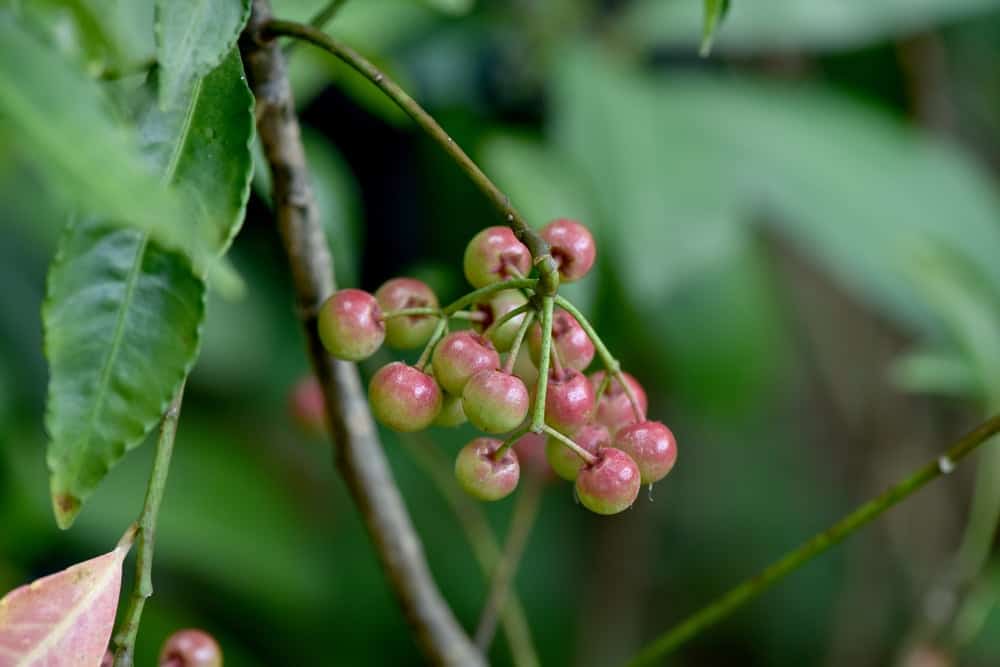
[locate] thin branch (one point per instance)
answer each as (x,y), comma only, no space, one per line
(319,20)
(521,523)
(146,527)
(708,616)
(359,454)
(547,269)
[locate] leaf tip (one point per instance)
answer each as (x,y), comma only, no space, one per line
(66,506)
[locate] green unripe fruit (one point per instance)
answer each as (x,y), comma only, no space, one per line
(495,402)
(451,413)
(407,331)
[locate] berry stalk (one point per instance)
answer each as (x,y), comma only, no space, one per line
(480,294)
(507,317)
(538,415)
(589,458)
(515,347)
(439,331)
(509,442)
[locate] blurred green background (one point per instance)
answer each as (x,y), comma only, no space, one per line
(799,257)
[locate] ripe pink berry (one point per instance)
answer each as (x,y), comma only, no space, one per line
(498,306)
(404,398)
(493,255)
(652,446)
(572,344)
(564,461)
(407,331)
(530,449)
(459,356)
(350,325)
(611,484)
(572,247)
(614,410)
(190,648)
(451,413)
(482,476)
(569,401)
(307,407)
(494,401)
(109,659)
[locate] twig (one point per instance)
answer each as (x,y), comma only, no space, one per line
(547,269)
(521,523)
(146,527)
(359,454)
(708,616)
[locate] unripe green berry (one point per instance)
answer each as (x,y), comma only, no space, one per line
(403,397)
(350,325)
(481,475)
(451,413)
(495,402)
(407,331)
(502,303)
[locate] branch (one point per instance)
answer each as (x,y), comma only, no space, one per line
(674,638)
(143,588)
(547,269)
(359,454)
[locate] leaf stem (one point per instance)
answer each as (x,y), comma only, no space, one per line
(547,269)
(538,415)
(708,616)
(124,639)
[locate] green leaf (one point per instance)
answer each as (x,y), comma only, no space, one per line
(203,149)
(714,10)
(789,25)
(122,320)
(85,157)
(192,38)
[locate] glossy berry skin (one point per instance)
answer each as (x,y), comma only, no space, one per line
(451,413)
(652,446)
(614,410)
(408,331)
(611,484)
(502,303)
(569,401)
(494,255)
(459,356)
(530,449)
(564,461)
(350,325)
(572,247)
(481,476)
(307,407)
(495,402)
(572,344)
(190,648)
(404,398)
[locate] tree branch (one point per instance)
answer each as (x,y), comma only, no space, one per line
(708,616)
(547,270)
(359,454)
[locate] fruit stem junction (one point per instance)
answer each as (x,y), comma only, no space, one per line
(588,458)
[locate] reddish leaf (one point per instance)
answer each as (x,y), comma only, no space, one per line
(64,619)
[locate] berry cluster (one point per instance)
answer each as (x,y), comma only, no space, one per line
(595,429)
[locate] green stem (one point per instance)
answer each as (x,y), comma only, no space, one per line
(425,356)
(671,640)
(478,295)
(507,317)
(588,458)
(539,249)
(538,416)
(409,312)
(124,640)
(471,315)
(609,361)
(510,440)
(515,347)
(319,20)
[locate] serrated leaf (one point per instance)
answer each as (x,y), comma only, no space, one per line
(122,321)
(64,619)
(86,158)
(192,38)
(203,149)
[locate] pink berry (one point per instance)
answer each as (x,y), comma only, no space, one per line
(614,410)
(407,331)
(307,406)
(493,255)
(482,476)
(611,484)
(572,344)
(350,325)
(530,449)
(572,247)
(652,446)
(498,306)
(451,413)
(564,461)
(109,659)
(190,648)
(459,356)
(569,401)
(494,401)
(404,398)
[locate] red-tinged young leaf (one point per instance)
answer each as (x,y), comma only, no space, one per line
(64,619)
